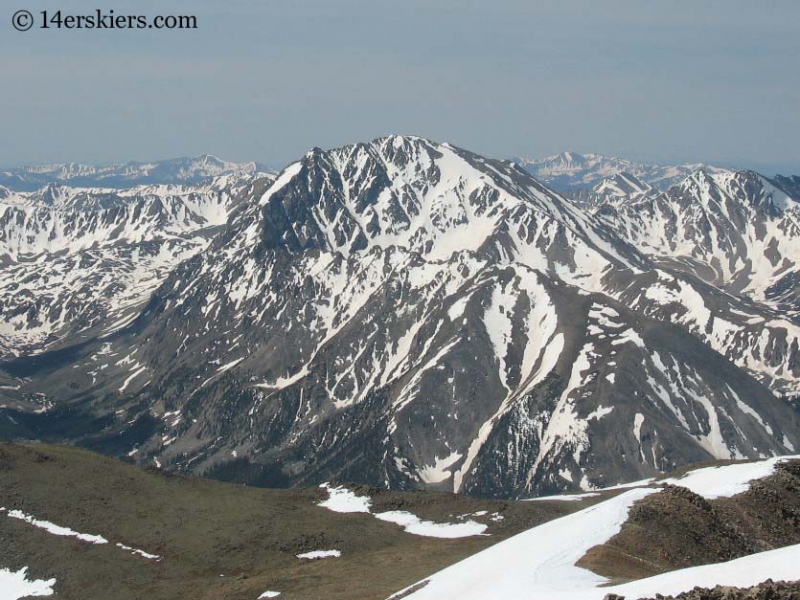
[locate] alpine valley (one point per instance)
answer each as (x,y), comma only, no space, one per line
(404,314)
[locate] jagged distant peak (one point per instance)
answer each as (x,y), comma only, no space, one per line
(746,187)
(569,171)
(125,175)
(622,185)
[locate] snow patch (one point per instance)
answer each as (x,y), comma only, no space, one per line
(413,524)
(315,554)
(56,529)
(728,480)
(15,585)
(141,553)
(342,500)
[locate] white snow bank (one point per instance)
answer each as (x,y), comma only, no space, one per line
(538,563)
(141,553)
(269,594)
(15,585)
(627,486)
(56,529)
(342,500)
(320,554)
(780,564)
(728,480)
(413,524)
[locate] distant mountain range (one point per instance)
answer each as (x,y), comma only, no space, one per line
(571,171)
(408,314)
(568,171)
(178,170)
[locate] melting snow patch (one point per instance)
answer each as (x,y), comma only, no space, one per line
(601,412)
(629,335)
(15,584)
(632,484)
(141,553)
(320,554)
(413,524)
(56,529)
(269,594)
(342,500)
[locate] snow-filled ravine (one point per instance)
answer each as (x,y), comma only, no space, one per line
(539,564)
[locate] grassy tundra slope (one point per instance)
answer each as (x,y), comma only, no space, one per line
(221,540)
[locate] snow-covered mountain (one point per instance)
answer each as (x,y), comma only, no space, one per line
(408,314)
(570,171)
(622,187)
(78,263)
(190,170)
(740,232)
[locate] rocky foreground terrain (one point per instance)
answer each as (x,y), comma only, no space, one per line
(769,590)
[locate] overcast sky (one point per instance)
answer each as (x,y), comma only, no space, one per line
(694,80)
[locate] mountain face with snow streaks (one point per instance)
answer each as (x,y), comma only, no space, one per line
(409,314)
(85,260)
(740,232)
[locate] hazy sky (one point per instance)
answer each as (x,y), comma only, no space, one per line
(696,80)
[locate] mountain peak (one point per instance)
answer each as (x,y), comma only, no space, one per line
(620,187)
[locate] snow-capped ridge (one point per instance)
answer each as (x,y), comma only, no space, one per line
(186,170)
(570,170)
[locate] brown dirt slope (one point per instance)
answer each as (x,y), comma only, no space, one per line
(676,528)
